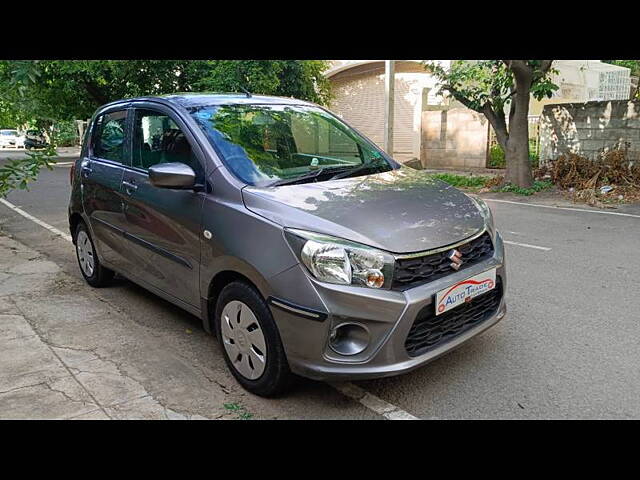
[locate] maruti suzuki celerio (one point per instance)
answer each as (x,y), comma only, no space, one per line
(299,242)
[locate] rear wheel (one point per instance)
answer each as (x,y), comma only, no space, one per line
(250,341)
(92,270)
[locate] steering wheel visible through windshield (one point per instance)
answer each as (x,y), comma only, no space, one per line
(278,144)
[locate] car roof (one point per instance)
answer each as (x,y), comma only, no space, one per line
(187,100)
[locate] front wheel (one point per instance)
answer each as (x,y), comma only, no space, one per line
(250,341)
(92,270)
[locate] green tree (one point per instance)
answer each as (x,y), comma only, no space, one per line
(67,90)
(491,87)
(43,92)
(302,79)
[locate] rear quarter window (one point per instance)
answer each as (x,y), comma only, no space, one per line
(110,134)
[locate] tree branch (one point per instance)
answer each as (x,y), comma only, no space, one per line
(520,68)
(497,121)
(466,102)
(545,65)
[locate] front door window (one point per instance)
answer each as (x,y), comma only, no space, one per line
(157,139)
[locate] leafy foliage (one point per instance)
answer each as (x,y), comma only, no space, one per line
(481,84)
(496,157)
(18,173)
(294,78)
(463,181)
(68,90)
(475,183)
(50,94)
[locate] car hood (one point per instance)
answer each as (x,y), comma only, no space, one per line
(400,211)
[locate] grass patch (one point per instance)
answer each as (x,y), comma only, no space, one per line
(538,186)
(463,181)
(478,182)
(239,410)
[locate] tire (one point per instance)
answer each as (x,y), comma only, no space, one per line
(92,270)
(242,319)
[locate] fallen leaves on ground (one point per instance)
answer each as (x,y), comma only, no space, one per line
(582,178)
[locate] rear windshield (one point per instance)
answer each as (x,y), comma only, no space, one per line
(8,133)
(262,144)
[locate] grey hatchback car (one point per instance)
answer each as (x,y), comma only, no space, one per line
(303,246)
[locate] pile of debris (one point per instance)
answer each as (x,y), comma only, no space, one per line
(611,178)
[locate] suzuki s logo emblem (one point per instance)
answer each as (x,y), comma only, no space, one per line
(456,259)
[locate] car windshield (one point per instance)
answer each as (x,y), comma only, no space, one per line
(272,144)
(9,133)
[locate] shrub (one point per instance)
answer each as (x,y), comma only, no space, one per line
(462,180)
(66,133)
(497,157)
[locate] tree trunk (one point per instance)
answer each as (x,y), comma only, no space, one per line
(517,145)
(517,153)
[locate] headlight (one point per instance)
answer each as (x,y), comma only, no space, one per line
(335,260)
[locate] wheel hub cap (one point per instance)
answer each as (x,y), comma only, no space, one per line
(85,253)
(243,340)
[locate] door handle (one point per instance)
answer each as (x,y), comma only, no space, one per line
(129,186)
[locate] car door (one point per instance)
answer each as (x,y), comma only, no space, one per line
(163,225)
(101,171)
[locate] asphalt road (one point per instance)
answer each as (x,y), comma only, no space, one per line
(568,347)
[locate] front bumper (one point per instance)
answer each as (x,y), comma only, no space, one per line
(387,315)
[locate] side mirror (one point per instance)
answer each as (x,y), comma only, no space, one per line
(172,175)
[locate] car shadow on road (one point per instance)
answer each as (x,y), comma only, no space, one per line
(144,299)
(445,373)
(456,370)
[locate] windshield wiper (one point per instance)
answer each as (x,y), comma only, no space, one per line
(301,178)
(354,171)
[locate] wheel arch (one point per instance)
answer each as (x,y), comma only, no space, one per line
(238,272)
(74,220)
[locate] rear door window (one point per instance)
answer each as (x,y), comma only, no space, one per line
(110,136)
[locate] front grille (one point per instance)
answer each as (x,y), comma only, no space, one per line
(411,272)
(430,331)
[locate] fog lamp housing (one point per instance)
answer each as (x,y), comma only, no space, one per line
(349,339)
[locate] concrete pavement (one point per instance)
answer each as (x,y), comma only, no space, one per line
(56,355)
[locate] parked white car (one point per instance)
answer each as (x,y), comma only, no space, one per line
(11,139)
